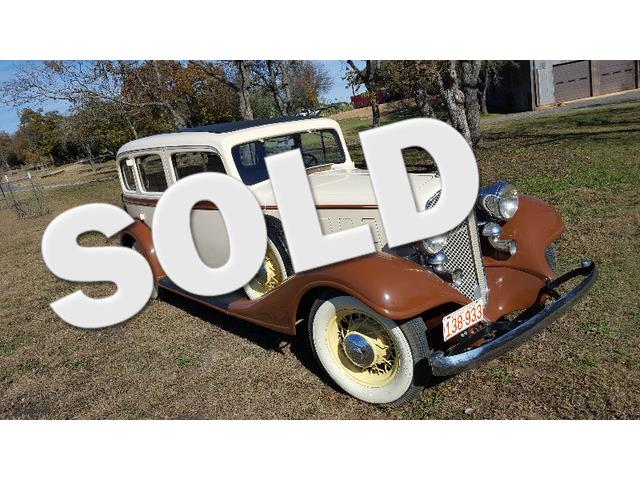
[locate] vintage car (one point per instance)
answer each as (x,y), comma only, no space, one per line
(380,325)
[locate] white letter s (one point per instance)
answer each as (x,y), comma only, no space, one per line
(68,260)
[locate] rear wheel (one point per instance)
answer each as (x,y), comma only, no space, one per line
(368,355)
(275,268)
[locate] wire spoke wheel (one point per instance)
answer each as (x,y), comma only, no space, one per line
(367,354)
(362,347)
(271,274)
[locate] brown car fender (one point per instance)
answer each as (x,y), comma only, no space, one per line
(535,226)
(392,286)
(140,232)
(511,290)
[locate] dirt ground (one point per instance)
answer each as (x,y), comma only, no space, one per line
(179,360)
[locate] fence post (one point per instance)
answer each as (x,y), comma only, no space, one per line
(37,194)
(15,204)
(4,196)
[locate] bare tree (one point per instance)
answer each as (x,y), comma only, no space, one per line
(275,78)
(240,80)
(71,81)
(152,84)
(370,76)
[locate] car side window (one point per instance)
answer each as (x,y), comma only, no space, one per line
(319,147)
(152,173)
(126,168)
(189,163)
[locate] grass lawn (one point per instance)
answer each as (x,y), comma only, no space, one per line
(178,360)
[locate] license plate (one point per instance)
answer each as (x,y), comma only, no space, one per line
(458,321)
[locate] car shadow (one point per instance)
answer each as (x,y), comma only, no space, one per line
(267,339)
(263,337)
(298,344)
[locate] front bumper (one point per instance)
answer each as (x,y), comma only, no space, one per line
(442,365)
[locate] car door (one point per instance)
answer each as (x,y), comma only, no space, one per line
(207,224)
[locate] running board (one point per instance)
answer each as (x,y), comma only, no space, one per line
(221,301)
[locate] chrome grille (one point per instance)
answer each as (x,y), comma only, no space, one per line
(463,252)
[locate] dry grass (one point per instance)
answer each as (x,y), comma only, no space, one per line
(178,360)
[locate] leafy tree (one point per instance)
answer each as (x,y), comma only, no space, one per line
(97,127)
(454,84)
(309,82)
(8,156)
(38,137)
(415,80)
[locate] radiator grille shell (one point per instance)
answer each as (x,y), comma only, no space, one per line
(464,253)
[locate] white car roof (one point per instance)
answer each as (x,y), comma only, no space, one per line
(229,133)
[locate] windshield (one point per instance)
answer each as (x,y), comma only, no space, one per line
(318,147)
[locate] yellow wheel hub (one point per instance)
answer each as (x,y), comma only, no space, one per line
(362,347)
(270,275)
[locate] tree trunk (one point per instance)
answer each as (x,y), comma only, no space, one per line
(286,86)
(375,110)
(178,119)
(484,86)
(89,156)
(470,76)
(272,84)
(132,128)
(244,81)
(424,105)
(125,116)
(5,161)
(454,99)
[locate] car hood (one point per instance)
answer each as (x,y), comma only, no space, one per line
(350,187)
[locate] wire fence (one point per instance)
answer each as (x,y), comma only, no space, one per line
(23,195)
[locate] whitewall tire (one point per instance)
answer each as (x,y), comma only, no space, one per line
(366,354)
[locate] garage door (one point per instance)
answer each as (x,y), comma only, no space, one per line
(617,75)
(572,80)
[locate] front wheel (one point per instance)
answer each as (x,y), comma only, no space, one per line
(368,355)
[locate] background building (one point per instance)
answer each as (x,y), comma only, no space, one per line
(530,84)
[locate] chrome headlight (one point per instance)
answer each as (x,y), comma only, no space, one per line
(433,245)
(499,200)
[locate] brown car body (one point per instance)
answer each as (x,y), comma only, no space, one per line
(396,287)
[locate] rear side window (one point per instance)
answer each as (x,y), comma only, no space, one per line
(189,163)
(127,175)
(152,173)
